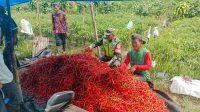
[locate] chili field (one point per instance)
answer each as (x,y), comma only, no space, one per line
(176,51)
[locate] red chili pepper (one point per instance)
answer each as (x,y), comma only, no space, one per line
(97,87)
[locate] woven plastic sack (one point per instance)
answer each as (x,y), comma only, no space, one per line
(182,85)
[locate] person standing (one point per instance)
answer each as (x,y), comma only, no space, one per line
(60,26)
(5,32)
(9,88)
(112,47)
(139,58)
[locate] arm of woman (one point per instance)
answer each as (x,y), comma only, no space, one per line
(126,62)
(147,63)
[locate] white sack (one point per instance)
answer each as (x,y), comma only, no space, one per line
(181,86)
(129,25)
(155,32)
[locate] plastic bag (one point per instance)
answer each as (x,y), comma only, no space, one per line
(26,27)
(129,25)
(155,32)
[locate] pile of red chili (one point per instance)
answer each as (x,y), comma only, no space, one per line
(97,87)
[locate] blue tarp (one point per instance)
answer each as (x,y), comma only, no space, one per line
(13,2)
(95,0)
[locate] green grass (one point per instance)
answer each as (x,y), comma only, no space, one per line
(81,24)
(24,47)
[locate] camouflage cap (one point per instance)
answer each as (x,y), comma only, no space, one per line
(109,31)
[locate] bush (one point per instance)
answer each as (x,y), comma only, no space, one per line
(182,10)
(194,8)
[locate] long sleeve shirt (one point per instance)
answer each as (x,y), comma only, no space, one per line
(60,22)
(147,63)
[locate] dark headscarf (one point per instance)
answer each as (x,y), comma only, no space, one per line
(2,10)
(137,36)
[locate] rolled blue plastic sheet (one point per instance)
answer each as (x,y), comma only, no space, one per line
(13,2)
(6,100)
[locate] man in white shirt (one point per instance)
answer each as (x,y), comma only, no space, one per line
(9,88)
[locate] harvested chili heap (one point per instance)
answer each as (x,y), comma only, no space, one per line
(98,88)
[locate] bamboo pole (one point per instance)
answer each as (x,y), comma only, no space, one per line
(35,39)
(33,51)
(13,60)
(149,34)
(39,17)
(94,25)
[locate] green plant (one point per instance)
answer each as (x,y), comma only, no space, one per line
(24,47)
(194,8)
(149,7)
(181,10)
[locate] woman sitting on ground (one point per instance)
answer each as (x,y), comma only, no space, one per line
(139,59)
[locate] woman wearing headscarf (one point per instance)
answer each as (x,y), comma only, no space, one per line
(139,58)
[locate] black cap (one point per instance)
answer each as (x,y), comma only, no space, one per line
(137,36)
(2,9)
